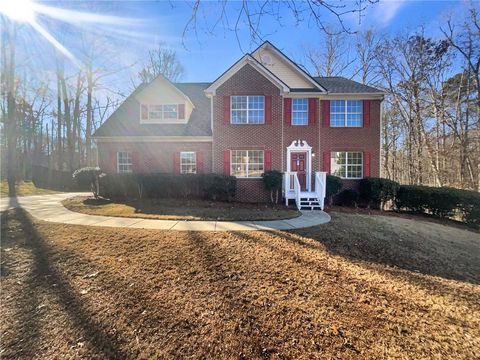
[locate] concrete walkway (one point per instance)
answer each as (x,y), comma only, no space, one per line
(50,208)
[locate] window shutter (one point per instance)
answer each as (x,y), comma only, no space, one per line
(181,111)
(144,111)
(199,155)
(135,162)
(268,160)
(176,163)
(268,109)
(113,161)
(366,164)
(287,111)
(366,113)
(226,109)
(312,111)
(326,162)
(326,113)
(226,162)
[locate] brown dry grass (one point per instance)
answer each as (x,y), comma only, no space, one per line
(24,188)
(180,209)
(358,287)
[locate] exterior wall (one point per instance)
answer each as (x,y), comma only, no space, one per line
(247,81)
(282,70)
(355,139)
(153,157)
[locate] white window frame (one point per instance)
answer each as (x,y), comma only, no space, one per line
(299,111)
(247,164)
(347,164)
(247,110)
(123,164)
(346,113)
(194,163)
(161,119)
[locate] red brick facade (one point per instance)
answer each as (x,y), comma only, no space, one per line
(273,137)
(152,157)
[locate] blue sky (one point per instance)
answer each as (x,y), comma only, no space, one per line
(137,26)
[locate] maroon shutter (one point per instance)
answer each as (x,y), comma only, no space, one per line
(135,162)
(366,113)
(199,162)
(181,111)
(287,111)
(176,163)
(268,160)
(226,162)
(366,164)
(268,109)
(113,161)
(326,162)
(144,112)
(326,113)
(312,111)
(226,109)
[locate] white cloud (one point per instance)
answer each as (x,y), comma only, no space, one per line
(386,10)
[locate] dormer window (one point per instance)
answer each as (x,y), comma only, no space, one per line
(162,113)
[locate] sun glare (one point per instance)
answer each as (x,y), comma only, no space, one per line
(18,10)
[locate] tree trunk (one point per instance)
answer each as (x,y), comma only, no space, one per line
(88,128)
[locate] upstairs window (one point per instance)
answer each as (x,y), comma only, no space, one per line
(299,111)
(347,165)
(162,112)
(346,113)
(124,162)
(247,163)
(188,162)
(248,109)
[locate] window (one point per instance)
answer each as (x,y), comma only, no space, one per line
(247,163)
(347,165)
(346,113)
(248,109)
(188,163)
(124,162)
(163,112)
(299,111)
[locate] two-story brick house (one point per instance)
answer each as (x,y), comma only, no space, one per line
(262,113)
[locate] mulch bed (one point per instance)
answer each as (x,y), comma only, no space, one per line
(86,292)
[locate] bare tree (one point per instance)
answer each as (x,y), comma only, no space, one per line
(161,61)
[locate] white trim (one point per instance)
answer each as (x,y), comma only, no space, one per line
(247,110)
(300,71)
(118,162)
(346,113)
(292,111)
(301,146)
(246,168)
(163,121)
(246,59)
(195,161)
(153,138)
(347,164)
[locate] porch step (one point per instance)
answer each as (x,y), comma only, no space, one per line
(310,202)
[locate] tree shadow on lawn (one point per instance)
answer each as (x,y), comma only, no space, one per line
(373,240)
(47,275)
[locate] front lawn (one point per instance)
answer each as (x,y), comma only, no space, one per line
(359,287)
(180,209)
(24,188)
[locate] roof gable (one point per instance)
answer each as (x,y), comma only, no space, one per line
(284,68)
(246,59)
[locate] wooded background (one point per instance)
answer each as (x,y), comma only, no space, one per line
(430,119)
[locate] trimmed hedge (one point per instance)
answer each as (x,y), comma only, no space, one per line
(334,185)
(348,197)
(203,186)
(377,191)
(442,202)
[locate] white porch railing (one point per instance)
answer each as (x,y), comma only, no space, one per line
(297,189)
(320,187)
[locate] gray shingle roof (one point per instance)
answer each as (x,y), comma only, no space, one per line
(125,120)
(341,85)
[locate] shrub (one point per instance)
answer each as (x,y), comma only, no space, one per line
(378,191)
(442,202)
(206,186)
(273,181)
(334,185)
(88,178)
(348,197)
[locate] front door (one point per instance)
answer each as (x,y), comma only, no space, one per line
(298,164)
